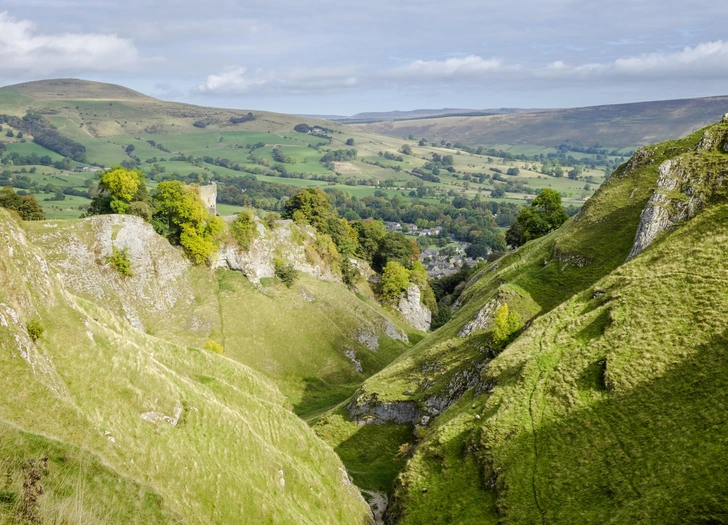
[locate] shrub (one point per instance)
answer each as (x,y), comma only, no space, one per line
(119,260)
(285,272)
(243,229)
(395,280)
(214,346)
(271,218)
(505,325)
(35,329)
(349,273)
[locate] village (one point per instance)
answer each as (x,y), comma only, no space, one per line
(441,262)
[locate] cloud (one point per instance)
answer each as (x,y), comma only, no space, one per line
(471,67)
(24,50)
(236,80)
(708,59)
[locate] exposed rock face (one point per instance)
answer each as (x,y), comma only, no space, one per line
(158,268)
(415,313)
(684,185)
(367,409)
(483,319)
(395,333)
(256,262)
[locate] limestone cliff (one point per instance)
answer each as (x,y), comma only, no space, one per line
(288,241)
(414,312)
(685,184)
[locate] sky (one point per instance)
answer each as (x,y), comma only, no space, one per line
(341,57)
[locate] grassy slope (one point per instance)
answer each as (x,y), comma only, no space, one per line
(96,375)
(504,442)
(297,342)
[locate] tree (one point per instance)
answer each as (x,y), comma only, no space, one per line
(543,216)
(406,149)
(182,217)
(393,247)
(505,325)
(129,149)
(350,142)
(370,233)
(27,206)
(310,205)
(395,280)
(117,188)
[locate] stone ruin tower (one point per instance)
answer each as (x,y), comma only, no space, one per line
(209,197)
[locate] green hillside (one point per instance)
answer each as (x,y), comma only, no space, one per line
(139,429)
(607,408)
(177,140)
(581,378)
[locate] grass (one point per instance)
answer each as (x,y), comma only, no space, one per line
(606,409)
(233,442)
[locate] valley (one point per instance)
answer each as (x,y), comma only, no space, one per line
(307,370)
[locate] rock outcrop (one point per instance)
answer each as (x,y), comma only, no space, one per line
(415,313)
(78,250)
(684,185)
(288,241)
(483,319)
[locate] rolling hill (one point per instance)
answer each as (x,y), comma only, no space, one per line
(610,126)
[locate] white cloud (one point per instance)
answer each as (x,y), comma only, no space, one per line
(238,80)
(24,50)
(470,67)
(708,59)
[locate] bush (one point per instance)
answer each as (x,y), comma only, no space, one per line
(214,346)
(349,274)
(505,326)
(119,260)
(243,229)
(395,281)
(271,218)
(35,329)
(285,272)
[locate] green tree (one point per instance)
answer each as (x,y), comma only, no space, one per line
(27,206)
(117,188)
(35,329)
(243,229)
(182,217)
(543,216)
(406,149)
(310,205)
(370,234)
(349,142)
(395,280)
(393,247)
(505,325)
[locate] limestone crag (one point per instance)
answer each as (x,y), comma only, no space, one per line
(281,242)
(684,185)
(415,313)
(366,409)
(78,250)
(483,319)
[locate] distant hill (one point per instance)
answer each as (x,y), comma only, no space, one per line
(380,116)
(76,89)
(619,125)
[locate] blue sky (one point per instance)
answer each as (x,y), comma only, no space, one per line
(337,57)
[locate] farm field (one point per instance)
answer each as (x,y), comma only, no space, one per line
(167,140)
